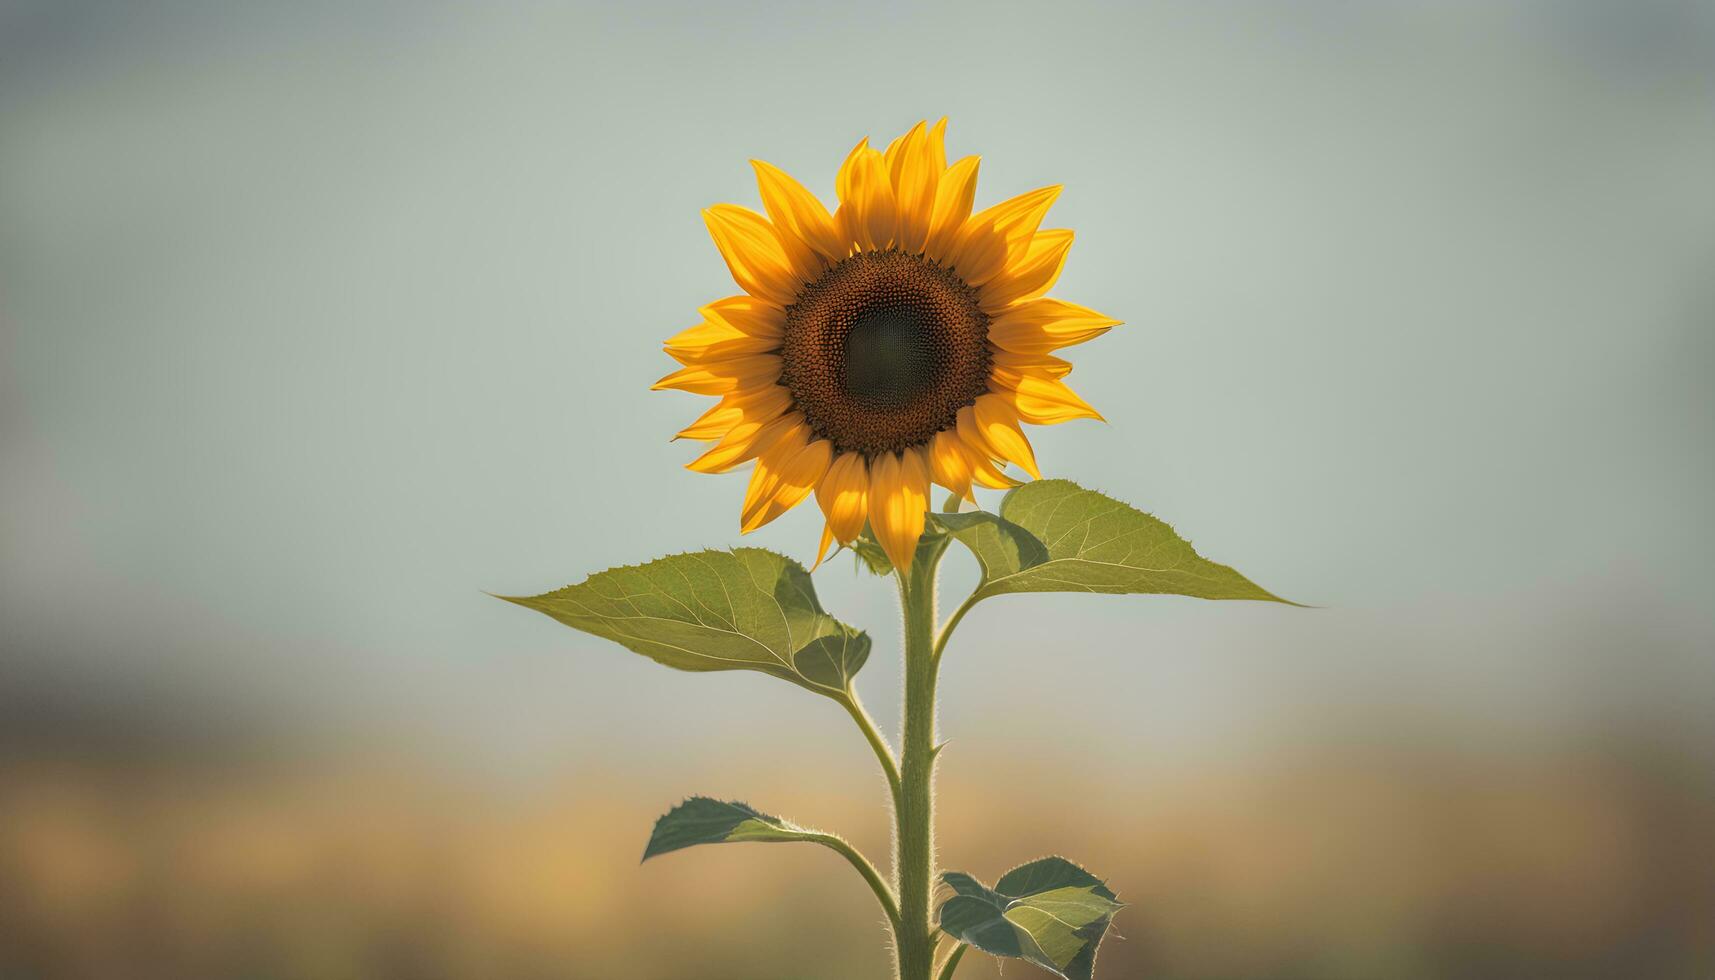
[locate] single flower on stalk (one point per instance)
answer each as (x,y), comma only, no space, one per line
(898,341)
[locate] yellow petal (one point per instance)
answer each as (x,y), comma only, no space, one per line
(822,548)
(914,185)
(898,501)
(715,342)
(763,405)
(753,253)
(1020,216)
(748,439)
(978,453)
(843,179)
(953,197)
(998,424)
(1041,325)
(799,218)
(766,476)
(720,377)
(1047,401)
(844,496)
(938,145)
(894,157)
(763,401)
(991,236)
(949,464)
(748,315)
(703,335)
(713,424)
(1031,274)
(978,252)
(868,213)
(984,471)
(764,481)
(794,478)
(1045,365)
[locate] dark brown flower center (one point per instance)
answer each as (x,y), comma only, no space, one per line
(883,350)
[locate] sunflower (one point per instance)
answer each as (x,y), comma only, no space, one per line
(899,341)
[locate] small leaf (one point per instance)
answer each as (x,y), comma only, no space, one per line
(1055,536)
(1049,912)
(701,820)
(745,609)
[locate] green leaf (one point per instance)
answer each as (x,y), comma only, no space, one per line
(1049,912)
(745,609)
(1055,536)
(701,820)
(1001,546)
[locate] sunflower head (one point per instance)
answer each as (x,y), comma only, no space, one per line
(897,342)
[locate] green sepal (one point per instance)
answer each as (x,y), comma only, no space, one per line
(870,554)
(744,609)
(1049,912)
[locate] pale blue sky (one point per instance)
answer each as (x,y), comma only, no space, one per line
(319,320)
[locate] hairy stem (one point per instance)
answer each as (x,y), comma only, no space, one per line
(914,854)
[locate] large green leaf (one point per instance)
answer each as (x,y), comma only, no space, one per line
(1049,912)
(745,609)
(1055,536)
(701,820)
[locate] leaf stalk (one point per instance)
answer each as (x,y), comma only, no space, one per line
(883,894)
(952,962)
(871,734)
(952,622)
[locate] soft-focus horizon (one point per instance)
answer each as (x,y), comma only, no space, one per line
(320,322)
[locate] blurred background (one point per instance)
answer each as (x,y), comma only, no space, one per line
(318,320)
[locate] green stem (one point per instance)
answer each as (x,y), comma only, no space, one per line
(883,894)
(914,854)
(952,962)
